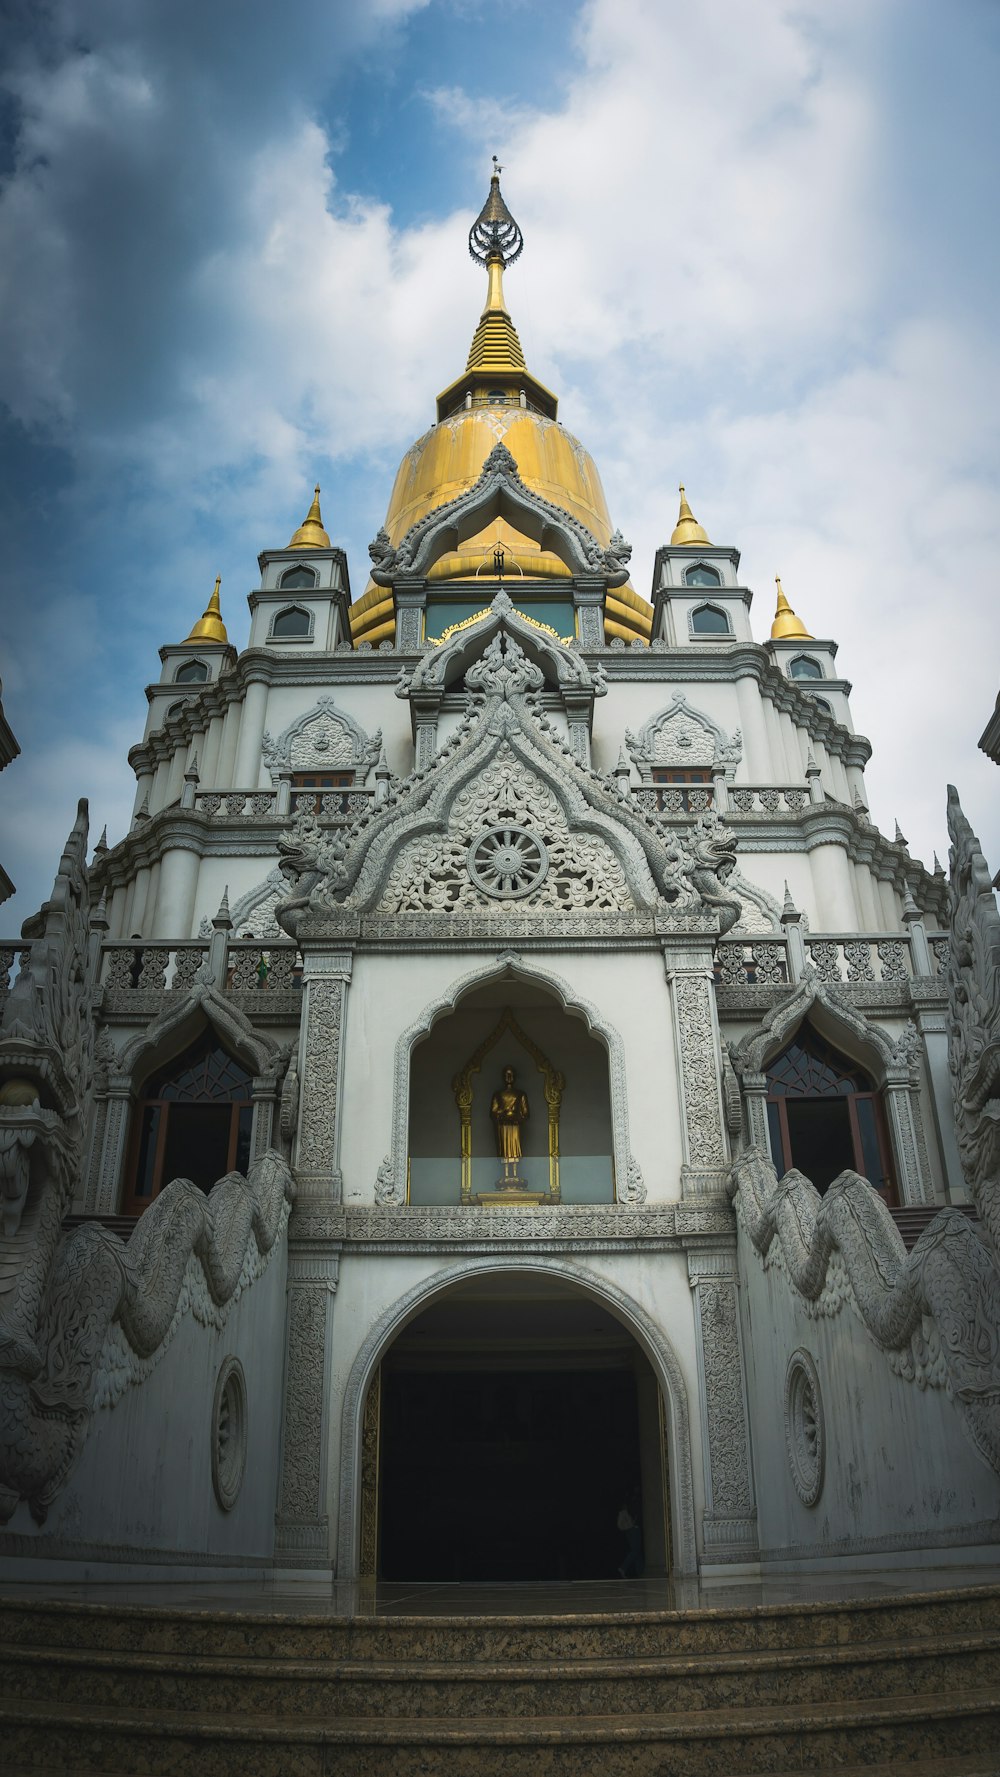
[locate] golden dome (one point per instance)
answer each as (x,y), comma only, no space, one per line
(687,531)
(497,399)
(310,534)
(786,626)
(210,627)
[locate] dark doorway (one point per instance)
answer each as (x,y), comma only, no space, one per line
(513,1419)
(506,1474)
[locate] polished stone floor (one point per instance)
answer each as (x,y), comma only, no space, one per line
(309,1597)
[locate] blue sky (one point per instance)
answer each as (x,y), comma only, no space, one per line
(760,258)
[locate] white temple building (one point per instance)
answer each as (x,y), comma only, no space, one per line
(502,1077)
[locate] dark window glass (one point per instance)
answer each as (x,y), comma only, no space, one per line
(702,576)
(803,667)
(299,577)
(708,621)
(193,1121)
(193,672)
(291,623)
(824,1116)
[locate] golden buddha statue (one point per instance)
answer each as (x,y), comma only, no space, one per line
(509,1109)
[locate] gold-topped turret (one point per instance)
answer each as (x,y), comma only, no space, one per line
(210,627)
(687,530)
(310,534)
(786,626)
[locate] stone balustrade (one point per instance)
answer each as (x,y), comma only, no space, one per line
(861,961)
(769,799)
(674,798)
(752,962)
(248,966)
(245,805)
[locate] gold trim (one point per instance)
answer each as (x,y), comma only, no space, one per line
(553,1086)
(371,1438)
(477,617)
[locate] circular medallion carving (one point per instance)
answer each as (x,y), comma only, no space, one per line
(804,1433)
(507,862)
(229,1433)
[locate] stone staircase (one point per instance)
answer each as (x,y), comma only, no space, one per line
(910,1682)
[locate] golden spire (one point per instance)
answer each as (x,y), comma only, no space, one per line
(687,530)
(786,626)
(495,345)
(310,534)
(210,627)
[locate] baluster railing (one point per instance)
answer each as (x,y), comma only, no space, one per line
(868,960)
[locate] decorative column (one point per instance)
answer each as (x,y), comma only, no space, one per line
(932,1023)
(302,1532)
(902,1080)
(104,1189)
(730,1524)
(698,1050)
(246,771)
(589,602)
(410,603)
(176,892)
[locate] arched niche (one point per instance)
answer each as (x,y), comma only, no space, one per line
(561,1071)
(545,1278)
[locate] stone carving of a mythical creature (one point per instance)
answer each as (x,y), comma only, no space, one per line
(973,980)
(710,859)
(81,1313)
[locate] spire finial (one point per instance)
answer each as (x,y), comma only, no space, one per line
(687,531)
(495,234)
(210,627)
(310,534)
(786,626)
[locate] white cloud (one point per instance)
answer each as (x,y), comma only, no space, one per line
(713,280)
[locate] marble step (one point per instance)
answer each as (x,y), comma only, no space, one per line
(709,1743)
(263,1633)
(330,1688)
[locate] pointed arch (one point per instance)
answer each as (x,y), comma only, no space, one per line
(682,734)
(629,1185)
(179,1025)
(647,1333)
(323,736)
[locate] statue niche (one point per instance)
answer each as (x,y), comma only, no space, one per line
(509,1111)
(547,1133)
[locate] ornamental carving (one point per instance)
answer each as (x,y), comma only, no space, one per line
(324,737)
(302,1429)
(682,735)
(973,983)
(532,857)
(700,1063)
(805,1436)
(318,1092)
(935,1311)
(724,1404)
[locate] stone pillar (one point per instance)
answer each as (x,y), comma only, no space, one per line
(833,887)
(932,1023)
(426,740)
(409,618)
(107,1187)
(915,1183)
(283,801)
(756,751)
(698,1051)
(302,1528)
(176,893)
(246,771)
(302,1532)
(325,980)
(729,1529)
(589,602)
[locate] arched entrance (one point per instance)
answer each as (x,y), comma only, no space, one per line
(505,1429)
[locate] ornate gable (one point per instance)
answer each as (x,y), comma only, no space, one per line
(324,737)
(682,735)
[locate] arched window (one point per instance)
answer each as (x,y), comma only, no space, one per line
(805,667)
(192,1121)
(298,578)
(293,622)
(497,397)
(702,575)
(193,672)
(828,707)
(708,620)
(824,1114)
(175,709)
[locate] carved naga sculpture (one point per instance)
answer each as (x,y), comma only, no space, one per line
(712,858)
(973,980)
